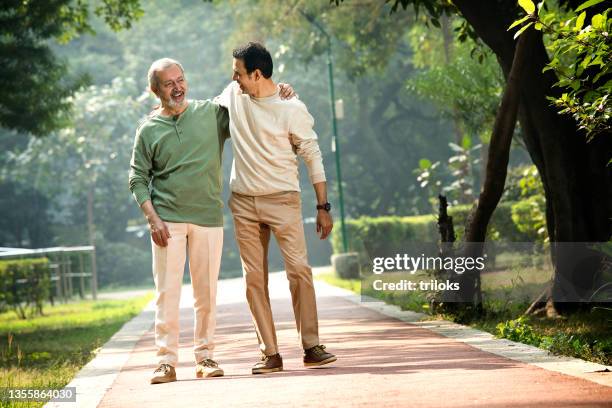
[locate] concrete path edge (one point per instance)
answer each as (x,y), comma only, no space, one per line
(97,377)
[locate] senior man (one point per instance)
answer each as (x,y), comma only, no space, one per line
(175,176)
(267,134)
(177,150)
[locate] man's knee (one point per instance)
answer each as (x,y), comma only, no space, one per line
(299,270)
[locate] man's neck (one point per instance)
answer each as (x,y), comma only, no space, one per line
(267,88)
(174,110)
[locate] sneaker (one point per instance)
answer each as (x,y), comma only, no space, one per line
(317,356)
(268,364)
(164,374)
(208,368)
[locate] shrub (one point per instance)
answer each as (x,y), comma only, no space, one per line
(24,285)
(380,235)
(518,330)
(346,265)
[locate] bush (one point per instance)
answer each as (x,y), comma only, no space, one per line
(518,330)
(379,235)
(529,217)
(24,285)
(346,265)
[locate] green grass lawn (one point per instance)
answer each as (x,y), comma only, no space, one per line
(506,295)
(331,278)
(47,351)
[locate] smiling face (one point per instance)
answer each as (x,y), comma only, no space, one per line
(171,87)
(247,82)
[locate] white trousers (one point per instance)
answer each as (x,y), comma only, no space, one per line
(204,246)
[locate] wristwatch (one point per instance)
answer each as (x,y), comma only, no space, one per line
(326,207)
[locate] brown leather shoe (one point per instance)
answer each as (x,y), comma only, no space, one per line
(317,356)
(165,373)
(208,368)
(268,364)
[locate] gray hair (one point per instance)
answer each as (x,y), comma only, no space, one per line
(160,65)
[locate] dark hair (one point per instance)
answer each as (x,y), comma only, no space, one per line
(255,56)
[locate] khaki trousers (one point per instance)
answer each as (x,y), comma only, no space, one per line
(204,245)
(255,217)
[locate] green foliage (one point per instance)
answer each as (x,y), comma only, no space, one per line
(570,344)
(580,56)
(374,235)
(122,264)
(378,235)
(353,285)
(529,214)
(429,178)
(91,154)
(35,83)
(461,85)
(464,83)
(501,226)
(25,285)
(518,330)
(346,265)
(529,217)
(461,166)
(27,224)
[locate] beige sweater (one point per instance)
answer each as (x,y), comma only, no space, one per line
(267,136)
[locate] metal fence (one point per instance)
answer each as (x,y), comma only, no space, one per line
(72,269)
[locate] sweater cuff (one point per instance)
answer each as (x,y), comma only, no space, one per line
(141,196)
(317,178)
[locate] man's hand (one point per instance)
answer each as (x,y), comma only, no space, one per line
(324,223)
(286,91)
(159,231)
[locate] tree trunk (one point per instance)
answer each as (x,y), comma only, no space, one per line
(495,176)
(499,148)
(577,182)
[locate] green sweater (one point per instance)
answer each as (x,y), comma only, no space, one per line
(181,162)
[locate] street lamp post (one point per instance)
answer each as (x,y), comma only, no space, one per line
(330,71)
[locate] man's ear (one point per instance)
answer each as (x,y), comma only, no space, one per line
(257,74)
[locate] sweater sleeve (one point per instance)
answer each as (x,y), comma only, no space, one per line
(140,169)
(224,98)
(304,138)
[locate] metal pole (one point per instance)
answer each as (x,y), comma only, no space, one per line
(330,70)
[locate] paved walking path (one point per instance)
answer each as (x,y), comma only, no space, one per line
(382,362)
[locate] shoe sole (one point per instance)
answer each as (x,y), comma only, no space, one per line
(320,363)
(266,370)
(216,373)
(163,380)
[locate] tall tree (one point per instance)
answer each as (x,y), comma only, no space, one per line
(35,84)
(577,181)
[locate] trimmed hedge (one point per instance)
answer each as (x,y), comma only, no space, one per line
(346,265)
(375,234)
(24,284)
